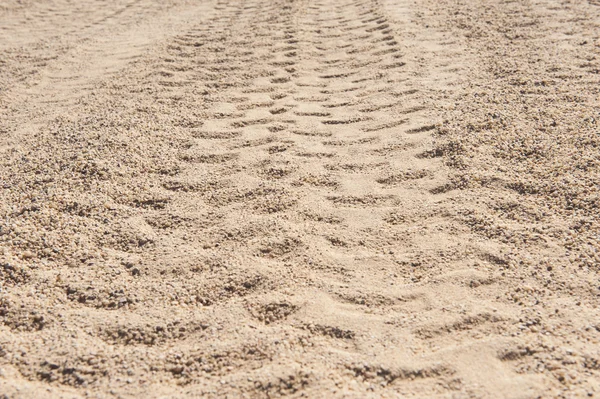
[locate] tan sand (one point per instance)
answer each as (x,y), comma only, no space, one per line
(278,198)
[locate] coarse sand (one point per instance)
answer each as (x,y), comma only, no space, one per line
(299,198)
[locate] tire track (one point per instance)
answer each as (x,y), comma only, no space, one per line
(66,72)
(268,188)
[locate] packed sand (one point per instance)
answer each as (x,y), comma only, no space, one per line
(299,198)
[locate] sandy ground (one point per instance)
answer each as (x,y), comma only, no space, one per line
(309,198)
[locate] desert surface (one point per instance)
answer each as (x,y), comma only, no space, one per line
(299,198)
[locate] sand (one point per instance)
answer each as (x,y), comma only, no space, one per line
(278,198)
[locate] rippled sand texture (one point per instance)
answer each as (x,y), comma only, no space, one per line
(309,198)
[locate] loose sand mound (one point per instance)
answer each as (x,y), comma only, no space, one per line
(369,198)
